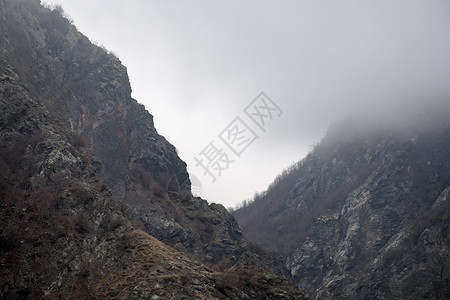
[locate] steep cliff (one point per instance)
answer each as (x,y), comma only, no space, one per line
(61,236)
(88,91)
(366,214)
(82,167)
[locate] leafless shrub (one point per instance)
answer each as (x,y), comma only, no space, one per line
(142,177)
(158,190)
(77,140)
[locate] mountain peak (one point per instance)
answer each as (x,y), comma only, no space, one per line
(364,214)
(93,201)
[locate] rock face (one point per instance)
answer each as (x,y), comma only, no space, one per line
(366,214)
(86,180)
(87,90)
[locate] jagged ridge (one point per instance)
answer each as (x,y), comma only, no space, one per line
(83,164)
(365,214)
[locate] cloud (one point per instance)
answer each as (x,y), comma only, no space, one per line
(197,64)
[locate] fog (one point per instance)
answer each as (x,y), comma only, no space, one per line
(197,65)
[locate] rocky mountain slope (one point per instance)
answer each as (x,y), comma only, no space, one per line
(86,181)
(366,214)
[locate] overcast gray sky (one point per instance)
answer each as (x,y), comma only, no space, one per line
(196,65)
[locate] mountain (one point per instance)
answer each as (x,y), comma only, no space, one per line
(93,201)
(366,214)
